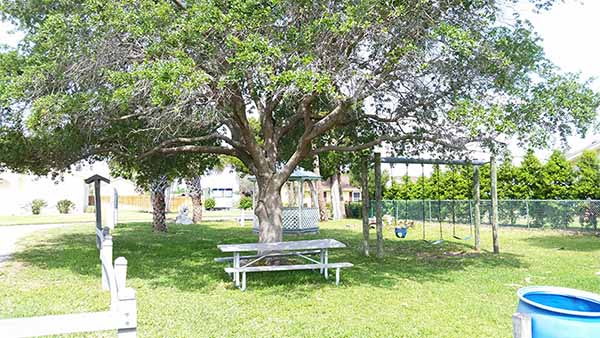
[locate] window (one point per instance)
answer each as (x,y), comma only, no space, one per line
(356,196)
(222,192)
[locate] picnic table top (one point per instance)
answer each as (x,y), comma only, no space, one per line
(283,246)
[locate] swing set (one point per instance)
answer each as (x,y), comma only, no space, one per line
(401,231)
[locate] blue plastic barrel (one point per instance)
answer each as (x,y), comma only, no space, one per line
(560,312)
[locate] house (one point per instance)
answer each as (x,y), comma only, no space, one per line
(350,193)
(593,146)
(18,190)
(223,186)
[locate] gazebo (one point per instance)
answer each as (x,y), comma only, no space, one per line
(300,215)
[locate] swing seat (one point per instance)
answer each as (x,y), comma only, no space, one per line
(401,232)
(439,241)
(466,238)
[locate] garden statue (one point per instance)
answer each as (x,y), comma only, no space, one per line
(182,217)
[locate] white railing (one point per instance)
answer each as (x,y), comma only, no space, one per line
(122,315)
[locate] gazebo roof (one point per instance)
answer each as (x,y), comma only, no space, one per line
(299,174)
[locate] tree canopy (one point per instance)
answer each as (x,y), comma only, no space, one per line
(273,82)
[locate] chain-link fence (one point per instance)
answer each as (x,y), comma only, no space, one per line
(580,214)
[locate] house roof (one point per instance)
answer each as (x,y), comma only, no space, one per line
(595,145)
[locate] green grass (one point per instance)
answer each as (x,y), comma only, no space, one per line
(124,216)
(417,290)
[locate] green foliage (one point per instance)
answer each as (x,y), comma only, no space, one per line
(37,205)
(245,202)
(558,177)
(587,184)
(64,206)
(209,203)
(264,81)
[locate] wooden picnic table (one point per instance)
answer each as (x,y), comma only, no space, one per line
(302,249)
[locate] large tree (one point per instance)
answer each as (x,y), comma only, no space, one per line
(191,75)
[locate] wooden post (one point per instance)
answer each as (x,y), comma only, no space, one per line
(494,198)
(521,325)
(378,209)
(127,309)
(476,211)
(106,251)
(364,177)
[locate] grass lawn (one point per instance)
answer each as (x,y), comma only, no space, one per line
(418,290)
(124,216)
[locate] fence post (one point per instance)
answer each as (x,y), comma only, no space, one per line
(127,312)
(521,325)
(121,272)
(126,307)
(106,252)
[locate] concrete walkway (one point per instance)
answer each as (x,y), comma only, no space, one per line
(9,235)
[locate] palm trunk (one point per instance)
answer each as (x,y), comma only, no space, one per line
(341,205)
(195,187)
(335,197)
(157,196)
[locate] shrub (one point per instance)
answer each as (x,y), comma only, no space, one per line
(354,210)
(90,209)
(246,202)
(210,203)
(37,205)
(64,206)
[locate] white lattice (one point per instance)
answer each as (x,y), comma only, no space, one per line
(296,220)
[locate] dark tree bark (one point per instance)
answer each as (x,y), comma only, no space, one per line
(157,196)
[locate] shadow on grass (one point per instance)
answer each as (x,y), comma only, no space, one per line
(183,258)
(570,242)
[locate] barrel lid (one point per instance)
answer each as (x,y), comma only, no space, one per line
(558,291)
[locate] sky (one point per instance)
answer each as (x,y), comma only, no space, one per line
(569,32)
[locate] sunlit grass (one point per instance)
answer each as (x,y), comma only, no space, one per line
(417,290)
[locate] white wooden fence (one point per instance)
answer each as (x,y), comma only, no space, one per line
(122,315)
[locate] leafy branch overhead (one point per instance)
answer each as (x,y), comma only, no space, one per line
(273,82)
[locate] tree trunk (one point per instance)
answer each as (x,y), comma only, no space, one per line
(494,198)
(364,177)
(195,187)
(323,214)
(378,210)
(157,196)
(335,196)
(268,210)
(341,205)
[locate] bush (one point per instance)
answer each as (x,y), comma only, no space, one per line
(246,202)
(90,209)
(210,203)
(64,206)
(37,205)
(354,210)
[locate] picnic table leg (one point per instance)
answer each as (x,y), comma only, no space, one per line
(236,265)
(322,260)
(243,281)
(326,262)
(337,276)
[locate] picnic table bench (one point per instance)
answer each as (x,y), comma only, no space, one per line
(302,249)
